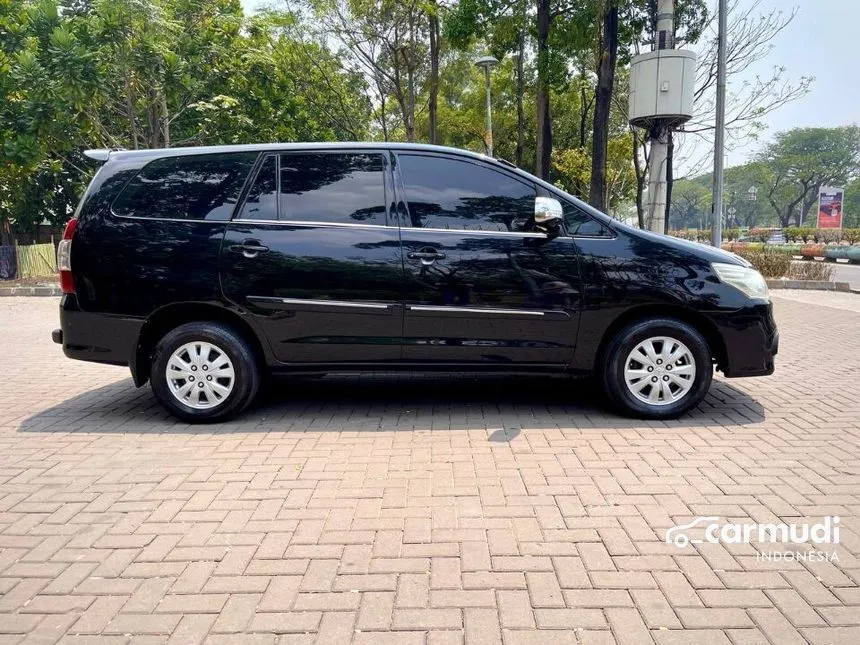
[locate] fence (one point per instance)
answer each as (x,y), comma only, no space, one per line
(36,260)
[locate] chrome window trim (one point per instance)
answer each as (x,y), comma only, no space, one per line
(306,223)
(353,225)
(460,231)
(170,219)
(324,303)
(474,310)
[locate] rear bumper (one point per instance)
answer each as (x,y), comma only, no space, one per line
(96,337)
(751,341)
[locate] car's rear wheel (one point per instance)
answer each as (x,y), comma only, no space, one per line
(204,372)
(657,368)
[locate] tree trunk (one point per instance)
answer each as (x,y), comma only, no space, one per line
(434,73)
(585,110)
(383,117)
(808,202)
(670,180)
(544,119)
(521,121)
(602,105)
(165,121)
(129,106)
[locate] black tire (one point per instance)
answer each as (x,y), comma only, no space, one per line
(246,381)
(625,341)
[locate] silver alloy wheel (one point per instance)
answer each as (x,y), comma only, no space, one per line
(660,371)
(200,375)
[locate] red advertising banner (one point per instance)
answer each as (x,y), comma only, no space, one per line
(830,207)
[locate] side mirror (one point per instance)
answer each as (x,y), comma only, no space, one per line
(548,214)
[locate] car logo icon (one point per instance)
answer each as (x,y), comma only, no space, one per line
(676,535)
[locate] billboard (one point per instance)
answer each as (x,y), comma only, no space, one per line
(830,207)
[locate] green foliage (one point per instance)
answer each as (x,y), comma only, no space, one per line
(769,263)
(801,160)
(826,235)
(153,73)
(851,204)
(691,205)
(822,271)
(762,234)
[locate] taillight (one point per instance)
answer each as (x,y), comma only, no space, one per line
(64,257)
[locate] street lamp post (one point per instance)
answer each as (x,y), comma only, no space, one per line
(487,62)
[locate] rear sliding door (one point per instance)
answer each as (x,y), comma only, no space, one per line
(314,255)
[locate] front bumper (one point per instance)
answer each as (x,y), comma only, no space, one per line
(95,337)
(750,339)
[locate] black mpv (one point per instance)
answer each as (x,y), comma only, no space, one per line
(202,269)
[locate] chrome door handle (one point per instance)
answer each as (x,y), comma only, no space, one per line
(250,248)
(425,255)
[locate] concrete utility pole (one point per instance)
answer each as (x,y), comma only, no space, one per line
(719,132)
(657,162)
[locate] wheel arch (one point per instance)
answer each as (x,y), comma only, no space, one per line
(172,316)
(696,320)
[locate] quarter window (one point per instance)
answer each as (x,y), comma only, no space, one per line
(578,223)
(452,194)
(195,187)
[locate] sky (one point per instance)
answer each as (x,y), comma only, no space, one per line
(821,42)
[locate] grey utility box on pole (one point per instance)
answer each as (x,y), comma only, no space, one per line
(661,99)
(661,87)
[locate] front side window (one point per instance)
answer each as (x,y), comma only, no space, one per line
(341,188)
(447,193)
(193,187)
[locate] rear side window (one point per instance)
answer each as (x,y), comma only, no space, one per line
(452,194)
(194,187)
(339,188)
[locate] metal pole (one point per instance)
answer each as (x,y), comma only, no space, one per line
(489,113)
(719,132)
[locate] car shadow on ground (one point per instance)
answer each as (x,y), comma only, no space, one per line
(502,405)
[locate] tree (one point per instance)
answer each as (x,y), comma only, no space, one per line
(389,41)
(690,207)
(851,205)
(603,103)
(503,27)
(801,160)
(147,73)
(750,35)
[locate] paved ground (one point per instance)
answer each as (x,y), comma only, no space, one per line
(418,511)
(849,273)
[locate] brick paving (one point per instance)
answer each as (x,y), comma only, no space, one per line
(426,511)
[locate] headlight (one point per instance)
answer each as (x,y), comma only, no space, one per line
(748,280)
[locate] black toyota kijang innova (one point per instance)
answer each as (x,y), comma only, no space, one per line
(203,269)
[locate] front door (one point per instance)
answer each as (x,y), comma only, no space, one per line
(482,285)
(312,257)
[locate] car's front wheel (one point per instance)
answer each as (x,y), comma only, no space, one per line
(657,368)
(203,372)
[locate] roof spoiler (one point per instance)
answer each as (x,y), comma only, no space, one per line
(100,154)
